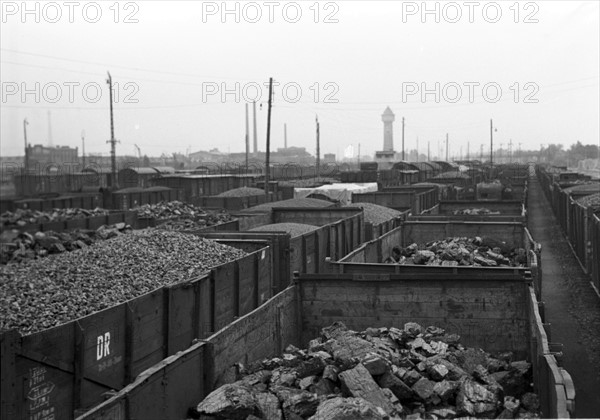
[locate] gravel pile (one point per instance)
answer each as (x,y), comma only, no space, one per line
(48,292)
(376,214)
(242,192)
(380,373)
(592,200)
(477,251)
(16,247)
(292,202)
(22,217)
(294,229)
(474,212)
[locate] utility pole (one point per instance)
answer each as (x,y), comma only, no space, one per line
(446,147)
(428,155)
(510,151)
(50,141)
(468,150)
(83,147)
(268,151)
(417,148)
(255,136)
(26,161)
(403,139)
(358,156)
(491,143)
(247,137)
(285,136)
(112,141)
(318,148)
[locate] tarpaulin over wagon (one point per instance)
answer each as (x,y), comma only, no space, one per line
(337,192)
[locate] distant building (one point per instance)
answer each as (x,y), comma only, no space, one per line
(329,158)
(42,155)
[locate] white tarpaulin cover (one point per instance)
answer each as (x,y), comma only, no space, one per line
(338,192)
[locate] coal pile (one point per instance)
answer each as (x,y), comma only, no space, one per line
(22,217)
(16,246)
(376,214)
(307,182)
(44,293)
(174,211)
(478,252)
(242,192)
(292,202)
(380,373)
(169,210)
(592,200)
(294,229)
(199,222)
(474,212)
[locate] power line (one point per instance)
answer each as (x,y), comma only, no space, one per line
(94,63)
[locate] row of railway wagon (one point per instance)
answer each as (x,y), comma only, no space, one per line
(575,200)
(170,310)
(140,185)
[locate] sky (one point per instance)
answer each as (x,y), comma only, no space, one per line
(183,73)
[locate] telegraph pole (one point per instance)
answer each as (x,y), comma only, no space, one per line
(247,137)
(268,151)
(428,155)
(491,143)
(446,147)
(112,141)
(83,147)
(318,148)
(358,160)
(403,138)
(417,148)
(255,136)
(25,123)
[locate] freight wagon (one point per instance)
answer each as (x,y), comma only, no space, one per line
(81,201)
(91,222)
(339,231)
(415,200)
(579,223)
(498,314)
(64,369)
(489,211)
(31,185)
(150,328)
(193,186)
(369,257)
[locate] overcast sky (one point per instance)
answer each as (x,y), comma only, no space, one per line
(171,66)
